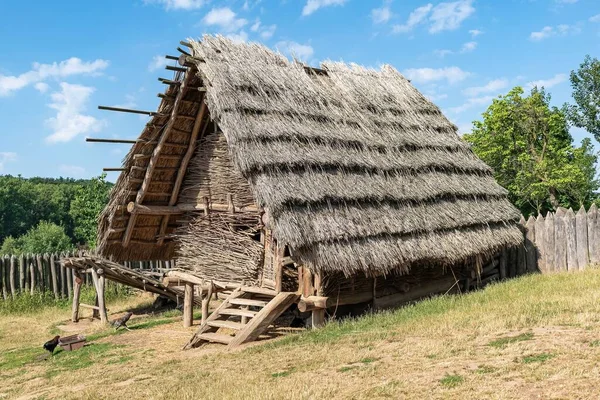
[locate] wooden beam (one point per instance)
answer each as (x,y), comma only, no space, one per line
(122,141)
(135,208)
(183,167)
(175,58)
(311,303)
(169,81)
(176,69)
(188,305)
(186,44)
(128,110)
(182,51)
(155,156)
(114,169)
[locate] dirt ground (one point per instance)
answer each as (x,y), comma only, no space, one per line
(533,338)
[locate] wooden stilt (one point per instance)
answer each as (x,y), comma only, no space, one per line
(54,276)
(188,305)
(206,302)
(101,298)
(318,318)
(77,281)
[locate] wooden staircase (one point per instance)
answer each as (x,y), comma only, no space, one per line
(235,314)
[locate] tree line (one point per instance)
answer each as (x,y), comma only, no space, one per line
(47,215)
(527,143)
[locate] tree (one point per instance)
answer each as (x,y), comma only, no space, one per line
(528,145)
(586,92)
(46,237)
(86,207)
(11,246)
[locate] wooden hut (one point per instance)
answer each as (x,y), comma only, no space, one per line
(328,187)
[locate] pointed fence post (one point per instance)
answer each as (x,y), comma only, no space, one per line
(571,238)
(2,279)
(581,234)
(540,242)
(560,241)
(532,252)
(593,235)
(22,275)
(550,244)
(13,290)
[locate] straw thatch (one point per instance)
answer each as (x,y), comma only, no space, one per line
(356,169)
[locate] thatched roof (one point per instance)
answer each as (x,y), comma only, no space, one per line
(356,169)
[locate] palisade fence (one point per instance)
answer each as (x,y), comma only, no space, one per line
(31,273)
(564,240)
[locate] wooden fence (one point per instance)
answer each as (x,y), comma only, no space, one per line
(30,273)
(565,240)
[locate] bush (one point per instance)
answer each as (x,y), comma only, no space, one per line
(46,238)
(11,246)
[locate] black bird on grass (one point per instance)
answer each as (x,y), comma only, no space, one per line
(50,345)
(122,322)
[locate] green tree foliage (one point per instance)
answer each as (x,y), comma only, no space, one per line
(86,207)
(11,246)
(46,237)
(586,92)
(527,143)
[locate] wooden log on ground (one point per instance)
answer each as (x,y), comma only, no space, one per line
(572,263)
(581,234)
(77,281)
(540,242)
(54,276)
(530,249)
(593,235)
(550,246)
(188,305)
(560,241)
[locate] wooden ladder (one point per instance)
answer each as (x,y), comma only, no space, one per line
(235,314)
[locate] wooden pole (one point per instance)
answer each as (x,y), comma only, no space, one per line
(63,280)
(101,298)
(188,305)
(77,281)
(40,268)
(206,302)
(53,275)
(22,273)
(13,290)
(69,283)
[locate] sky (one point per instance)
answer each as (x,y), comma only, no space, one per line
(63,58)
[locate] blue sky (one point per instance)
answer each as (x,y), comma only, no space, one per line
(63,58)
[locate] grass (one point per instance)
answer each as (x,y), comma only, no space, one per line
(505,341)
(501,342)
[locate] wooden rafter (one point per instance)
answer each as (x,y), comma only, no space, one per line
(155,156)
(183,169)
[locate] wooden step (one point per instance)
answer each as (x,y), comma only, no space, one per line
(238,312)
(248,302)
(215,337)
(225,324)
(259,290)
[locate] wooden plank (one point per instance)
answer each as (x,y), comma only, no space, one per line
(238,312)
(530,249)
(570,234)
(215,337)
(560,241)
(540,242)
(593,234)
(225,324)
(140,209)
(550,247)
(581,225)
(253,329)
(259,290)
(54,277)
(248,302)
(188,305)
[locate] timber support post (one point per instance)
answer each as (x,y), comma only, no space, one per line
(77,281)
(98,278)
(188,305)
(206,302)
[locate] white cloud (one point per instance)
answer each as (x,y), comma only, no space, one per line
(472,102)
(248,5)
(239,37)
(559,30)
(443,17)
(595,18)
(443,53)
(449,16)
(265,32)
(436,97)
(6,157)
(475,32)
(42,72)
(225,19)
(548,83)
(491,87)
(178,4)
(381,15)
(468,47)
(427,75)
(41,87)
(297,50)
(71,170)
(313,5)
(157,63)
(416,17)
(69,121)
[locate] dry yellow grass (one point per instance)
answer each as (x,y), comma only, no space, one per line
(534,337)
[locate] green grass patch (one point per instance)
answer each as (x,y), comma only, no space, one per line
(347,368)
(595,343)
(369,360)
(505,341)
(534,358)
(485,369)
(282,374)
(451,381)
(17,358)
(120,360)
